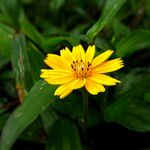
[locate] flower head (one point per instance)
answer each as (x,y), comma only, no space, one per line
(76,69)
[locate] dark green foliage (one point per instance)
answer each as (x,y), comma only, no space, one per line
(68,138)
(131,108)
(30,29)
(39,97)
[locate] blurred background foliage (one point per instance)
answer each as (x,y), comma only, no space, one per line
(32,116)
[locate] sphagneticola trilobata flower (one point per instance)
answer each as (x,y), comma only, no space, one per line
(77,69)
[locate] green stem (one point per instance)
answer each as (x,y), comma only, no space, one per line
(85,108)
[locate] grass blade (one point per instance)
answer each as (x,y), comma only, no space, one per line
(133,42)
(21,66)
(6,38)
(64,136)
(30,31)
(110,9)
(40,96)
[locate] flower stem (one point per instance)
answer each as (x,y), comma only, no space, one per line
(85,108)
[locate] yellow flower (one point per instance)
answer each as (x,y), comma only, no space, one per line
(76,69)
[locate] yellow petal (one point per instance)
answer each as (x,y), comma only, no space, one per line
(93,87)
(109,66)
(56,72)
(67,56)
(75,84)
(56,62)
(60,89)
(68,87)
(59,80)
(79,52)
(78,84)
(104,79)
(63,91)
(56,76)
(90,53)
(101,58)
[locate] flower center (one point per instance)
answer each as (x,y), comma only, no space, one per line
(81,69)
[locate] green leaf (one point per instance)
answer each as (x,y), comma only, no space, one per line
(56,4)
(148,8)
(133,42)
(119,29)
(102,44)
(30,31)
(36,60)
(110,9)
(147,97)
(48,117)
(6,37)
(3,119)
(10,89)
(40,96)
(71,105)
(51,43)
(21,66)
(11,10)
(130,108)
(27,1)
(33,132)
(64,136)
